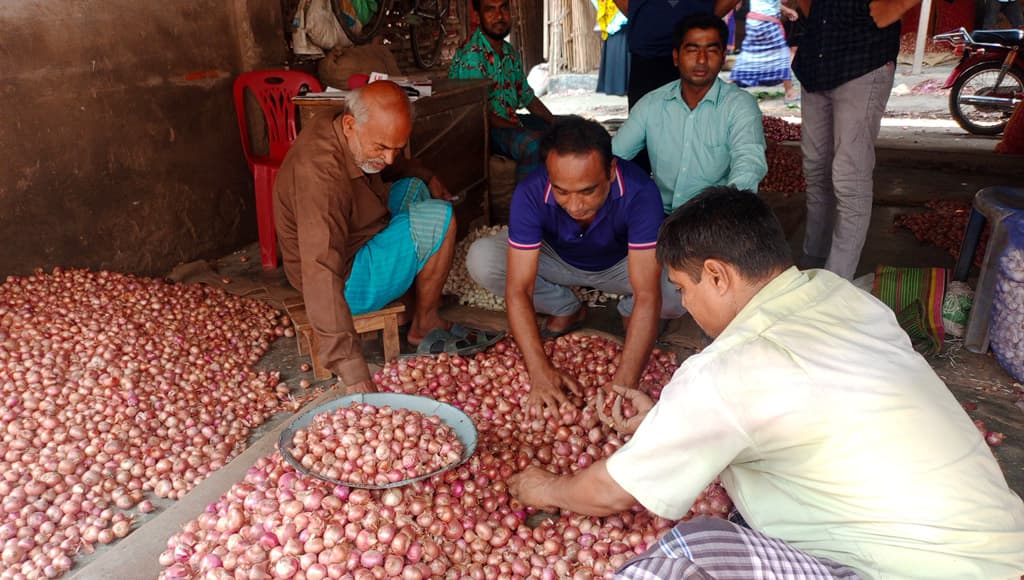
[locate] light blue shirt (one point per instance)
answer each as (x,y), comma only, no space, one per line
(720,142)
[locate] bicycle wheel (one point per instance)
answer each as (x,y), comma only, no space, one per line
(985,117)
(427,33)
(357,32)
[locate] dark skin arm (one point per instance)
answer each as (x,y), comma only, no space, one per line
(805,6)
(546,382)
(497,122)
(645,279)
(887,12)
(538,108)
(591,491)
(722,7)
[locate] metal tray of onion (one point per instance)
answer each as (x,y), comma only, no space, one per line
(460,423)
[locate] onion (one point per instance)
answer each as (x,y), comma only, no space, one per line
(461,523)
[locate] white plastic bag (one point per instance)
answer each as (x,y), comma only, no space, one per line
(322,27)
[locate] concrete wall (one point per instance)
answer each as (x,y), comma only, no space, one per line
(119,147)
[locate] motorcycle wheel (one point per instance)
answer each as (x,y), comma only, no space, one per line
(980,80)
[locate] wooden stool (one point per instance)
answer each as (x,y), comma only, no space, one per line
(385,320)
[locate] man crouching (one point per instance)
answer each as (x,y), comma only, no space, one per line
(350,241)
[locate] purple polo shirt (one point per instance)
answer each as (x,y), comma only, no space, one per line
(628,220)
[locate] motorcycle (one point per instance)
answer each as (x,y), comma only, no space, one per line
(988,82)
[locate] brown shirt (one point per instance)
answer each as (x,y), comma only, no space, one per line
(325,209)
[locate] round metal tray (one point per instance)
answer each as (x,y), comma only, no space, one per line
(463,426)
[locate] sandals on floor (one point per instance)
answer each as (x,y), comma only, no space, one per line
(547,333)
(459,340)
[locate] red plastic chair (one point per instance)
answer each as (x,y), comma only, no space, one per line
(274,90)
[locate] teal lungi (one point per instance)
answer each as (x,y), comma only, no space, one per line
(387,265)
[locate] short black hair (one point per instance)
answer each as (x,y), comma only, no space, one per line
(728,224)
(476,6)
(574,135)
(700,21)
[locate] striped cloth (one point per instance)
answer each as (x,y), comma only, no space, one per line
(915,295)
(764,58)
(714,549)
(387,265)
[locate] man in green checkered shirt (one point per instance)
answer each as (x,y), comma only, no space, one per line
(486,55)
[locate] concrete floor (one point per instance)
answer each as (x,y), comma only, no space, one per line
(912,168)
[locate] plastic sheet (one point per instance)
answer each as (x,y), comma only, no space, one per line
(1006,328)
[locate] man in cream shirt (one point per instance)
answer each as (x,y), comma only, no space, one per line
(841,448)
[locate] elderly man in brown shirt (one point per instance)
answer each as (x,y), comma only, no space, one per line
(350,241)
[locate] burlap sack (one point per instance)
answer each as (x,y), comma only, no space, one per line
(343,62)
(501,183)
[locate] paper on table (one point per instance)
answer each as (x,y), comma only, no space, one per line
(328,93)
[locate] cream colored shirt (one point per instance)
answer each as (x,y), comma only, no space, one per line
(832,434)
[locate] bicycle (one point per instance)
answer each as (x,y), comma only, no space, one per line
(424,19)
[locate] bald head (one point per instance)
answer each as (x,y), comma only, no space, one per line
(377,124)
(383,97)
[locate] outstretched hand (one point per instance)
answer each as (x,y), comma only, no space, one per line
(546,389)
(615,418)
(531,486)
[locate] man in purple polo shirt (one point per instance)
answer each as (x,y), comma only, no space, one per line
(589,219)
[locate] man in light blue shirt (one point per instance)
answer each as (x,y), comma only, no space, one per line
(699,131)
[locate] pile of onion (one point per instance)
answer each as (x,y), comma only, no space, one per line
(364,444)
(461,523)
(115,386)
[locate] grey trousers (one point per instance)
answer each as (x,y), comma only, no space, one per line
(487,262)
(838,136)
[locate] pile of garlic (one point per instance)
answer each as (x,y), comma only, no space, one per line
(1006,331)
(469,293)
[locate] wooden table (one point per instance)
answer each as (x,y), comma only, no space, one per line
(449,136)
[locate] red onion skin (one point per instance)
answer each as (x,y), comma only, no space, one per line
(462,523)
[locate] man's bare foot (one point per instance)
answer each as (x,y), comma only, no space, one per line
(564,323)
(420,328)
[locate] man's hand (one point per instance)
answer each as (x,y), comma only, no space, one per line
(789,13)
(438,190)
(615,418)
(532,487)
(546,389)
(366,386)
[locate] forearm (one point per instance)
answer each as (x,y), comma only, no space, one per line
(338,344)
(747,161)
(722,7)
(537,107)
(522,321)
(640,337)
(497,122)
(591,492)
(805,7)
(890,11)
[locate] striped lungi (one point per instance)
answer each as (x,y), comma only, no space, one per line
(714,549)
(387,265)
(764,58)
